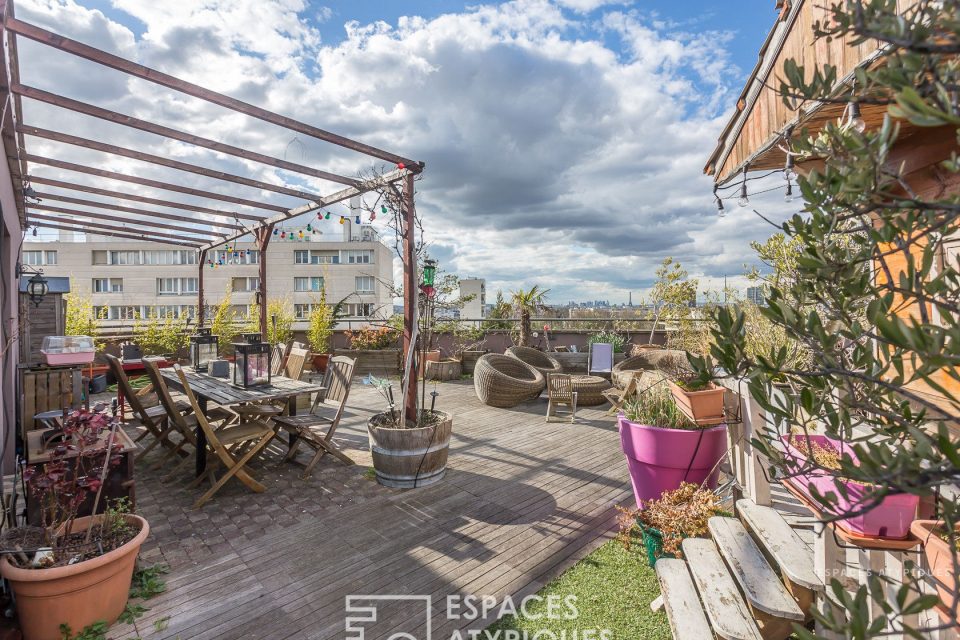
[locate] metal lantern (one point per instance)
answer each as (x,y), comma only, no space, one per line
(252,365)
(429,272)
(37,288)
(203,349)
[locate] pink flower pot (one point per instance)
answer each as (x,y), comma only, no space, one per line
(660,459)
(889,519)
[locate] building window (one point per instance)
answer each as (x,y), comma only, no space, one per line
(240,311)
(123,257)
(126,312)
(302,311)
(359,310)
(364,284)
(244,284)
(314,283)
(107,285)
(176,286)
(324,257)
(301,257)
(181,256)
(51,257)
(34,258)
(240,256)
(364,256)
(99,257)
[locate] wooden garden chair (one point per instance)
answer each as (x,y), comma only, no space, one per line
(184,425)
(560,392)
(276,358)
(293,369)
(617,397)
(233,446)
(307,429)
(154,418)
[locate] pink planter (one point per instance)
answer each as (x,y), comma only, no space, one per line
(660,459)
(889,519)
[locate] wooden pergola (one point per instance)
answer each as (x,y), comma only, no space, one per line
(202,227)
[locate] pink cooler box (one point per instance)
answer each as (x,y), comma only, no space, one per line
(64,350)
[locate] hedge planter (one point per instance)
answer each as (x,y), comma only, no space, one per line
(889,519)
(409,458)
(703,407)
(380,362)
(661,459)
(78,594)
(940,562)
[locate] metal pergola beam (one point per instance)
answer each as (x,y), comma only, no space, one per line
(157,184)
(124,225)
(129,121)
(73,186)
(43,195)
(101,57)
(69,226)
(333,198)
(96,215)
(133,154)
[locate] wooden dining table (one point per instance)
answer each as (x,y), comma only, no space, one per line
(221,391)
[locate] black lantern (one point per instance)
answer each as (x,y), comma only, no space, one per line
(37,288)
(252,366)
(203,349)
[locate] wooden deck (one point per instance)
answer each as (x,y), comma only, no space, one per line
(522,501)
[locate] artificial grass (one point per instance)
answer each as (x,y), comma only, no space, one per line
(613,589)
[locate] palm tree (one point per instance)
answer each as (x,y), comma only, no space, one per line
(525,303)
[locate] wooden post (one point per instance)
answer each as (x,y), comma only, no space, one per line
(409,293)
(201,261)
(263,239)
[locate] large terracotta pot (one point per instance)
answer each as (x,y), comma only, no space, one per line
(320,361)
(661,459)
(940,562)
(78,594)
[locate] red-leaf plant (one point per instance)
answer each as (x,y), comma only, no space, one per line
(75,471)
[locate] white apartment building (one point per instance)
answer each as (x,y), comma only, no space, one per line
(476,287)
(127,279)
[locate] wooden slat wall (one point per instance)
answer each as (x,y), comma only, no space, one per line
(769,115)
(47,390)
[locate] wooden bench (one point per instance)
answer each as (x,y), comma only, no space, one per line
(684,611)
(726,610)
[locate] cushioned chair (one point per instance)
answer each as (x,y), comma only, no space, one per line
(537,359)
(651,360)
(502,381)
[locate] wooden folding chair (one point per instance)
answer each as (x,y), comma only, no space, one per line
(617,397)
(154,418)
(276,358)
(293,369)
(233,446)
(337,382)
(560,392)
(184,425)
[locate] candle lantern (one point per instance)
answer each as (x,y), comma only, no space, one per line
(252,366)
(203,349)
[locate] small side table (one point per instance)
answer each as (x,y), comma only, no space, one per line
(589,390)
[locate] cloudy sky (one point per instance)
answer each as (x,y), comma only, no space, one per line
(563,139)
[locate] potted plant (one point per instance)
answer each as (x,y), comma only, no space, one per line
(73,570)
(695,393)
(813,463)
(664,448)
(941,560)
(664,523)
(323,319)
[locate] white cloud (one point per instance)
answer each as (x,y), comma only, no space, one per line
(550,158)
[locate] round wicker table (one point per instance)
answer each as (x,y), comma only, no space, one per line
(589,390)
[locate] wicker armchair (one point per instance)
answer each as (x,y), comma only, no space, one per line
(502,381)
(651,360)
(537,359)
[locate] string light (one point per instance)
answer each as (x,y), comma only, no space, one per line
(309,228)
(327,217)
(383,208)
(357,219)
(342,219)
(855,121)
(720,210)
(276,231)
(283,234)
(788,196)
(373,216)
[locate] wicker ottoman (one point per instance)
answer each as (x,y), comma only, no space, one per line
(589,390)
(502,381)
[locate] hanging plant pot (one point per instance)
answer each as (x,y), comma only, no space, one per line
(889,519)
(941,563)
(705,407)
(412,457)
(77,594)
(660,459)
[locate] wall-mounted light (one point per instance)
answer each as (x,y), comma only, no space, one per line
(36,286)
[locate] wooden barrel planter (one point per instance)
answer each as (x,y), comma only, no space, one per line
(409,458)
(469,359)
(443,370)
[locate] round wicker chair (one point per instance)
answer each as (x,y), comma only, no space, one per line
(502,381)
(537,359)
(651,360)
